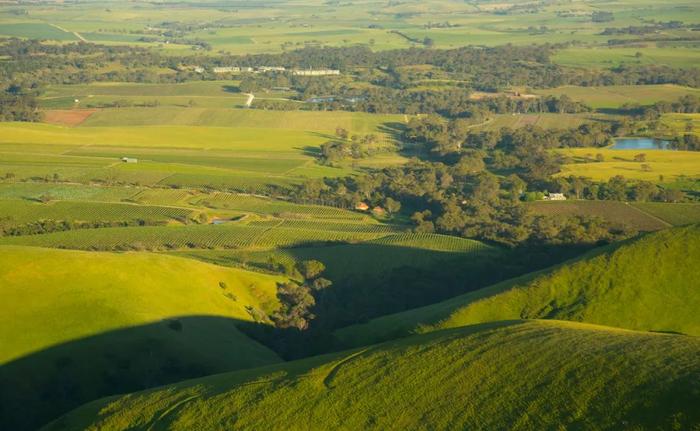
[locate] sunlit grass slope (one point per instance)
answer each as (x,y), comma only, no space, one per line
(650,284)
(77,325)
(505,375)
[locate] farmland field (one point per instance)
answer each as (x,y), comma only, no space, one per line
(612,97)
(309,215)
(620,213)
(668,165)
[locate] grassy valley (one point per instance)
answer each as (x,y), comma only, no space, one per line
(349,215)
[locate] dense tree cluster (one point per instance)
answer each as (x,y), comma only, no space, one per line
(485,69)
(298,298)
(18,104)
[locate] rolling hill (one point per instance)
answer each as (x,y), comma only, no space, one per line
(78,325)
(650,284)
(505,375)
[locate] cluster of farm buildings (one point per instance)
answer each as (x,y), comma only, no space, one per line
(265,69)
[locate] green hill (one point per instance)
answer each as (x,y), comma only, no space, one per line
(646,284)
(78,325)
(506,375)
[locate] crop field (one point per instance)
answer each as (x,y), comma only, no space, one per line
(274,28)
(545,121)
(18,211)
(675,214)
(604,57)
(372,258)
(619,213)
(612,97)
(36,31)
(183,245)
(229,235)
(209,94)
(662,164)
(269,206)
(75,192)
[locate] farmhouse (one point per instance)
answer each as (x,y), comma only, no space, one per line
(129,160)
(231,69)
(555,197)
(271,69)
(316,72)
(361,206)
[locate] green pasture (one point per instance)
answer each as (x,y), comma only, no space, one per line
(665,164)
(613,97)
(111,323)
(605,57)
(479,377)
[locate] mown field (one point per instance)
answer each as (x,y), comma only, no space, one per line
(95,324)
(489,371)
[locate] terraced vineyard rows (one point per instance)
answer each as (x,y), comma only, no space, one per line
(269,206)
(613,211)
(231,235)
(74,192)
(434,242)
(19,211)
(675,214)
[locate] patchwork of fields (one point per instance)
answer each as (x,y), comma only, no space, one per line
(283,214)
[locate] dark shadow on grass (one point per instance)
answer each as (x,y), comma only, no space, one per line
(231,89)
(41,386)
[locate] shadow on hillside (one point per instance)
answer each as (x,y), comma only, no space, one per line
(38,388)
(393,279)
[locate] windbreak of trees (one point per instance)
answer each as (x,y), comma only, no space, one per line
(485,69)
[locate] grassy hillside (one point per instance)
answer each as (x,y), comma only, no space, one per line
(646,284)
(75,326)
(506,375)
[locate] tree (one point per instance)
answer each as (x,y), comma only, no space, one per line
(296,300)
(342,133)
(311,269)
(391,205)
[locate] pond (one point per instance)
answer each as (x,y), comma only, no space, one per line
(640,144)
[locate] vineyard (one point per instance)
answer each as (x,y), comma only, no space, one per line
(269,206)
(18,211)
(615,212)
(675,214)
(372,258)
(226,236)
(434,242)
